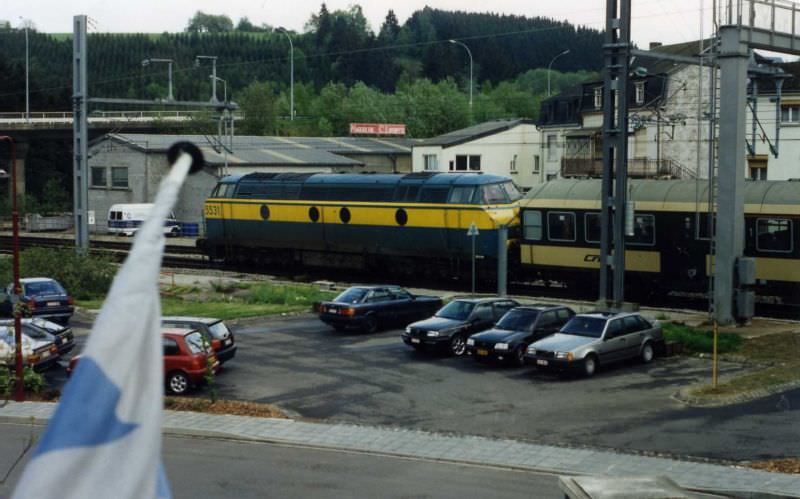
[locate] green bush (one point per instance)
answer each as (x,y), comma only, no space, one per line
(83,276)
(33,381)
(696,340)
(286,294)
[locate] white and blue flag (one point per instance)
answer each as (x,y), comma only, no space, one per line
(104,439)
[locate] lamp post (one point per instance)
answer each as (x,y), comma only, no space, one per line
(19,389)
(27,75)
(469,53)
(213,76)
(147,62)
(549,66)
(291,72)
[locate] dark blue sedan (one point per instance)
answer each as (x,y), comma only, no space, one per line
(41,297)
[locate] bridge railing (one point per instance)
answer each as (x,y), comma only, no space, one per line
(777,16)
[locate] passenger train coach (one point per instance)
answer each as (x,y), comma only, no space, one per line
(411,223)
(670,245)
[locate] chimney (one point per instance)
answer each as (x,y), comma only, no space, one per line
(655,45)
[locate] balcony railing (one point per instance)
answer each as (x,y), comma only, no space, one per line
(637,168)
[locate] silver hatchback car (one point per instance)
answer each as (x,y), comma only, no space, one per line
(597,338)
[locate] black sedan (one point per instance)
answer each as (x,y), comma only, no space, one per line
(510,337)
(450,327)
(370,307)
(41,297)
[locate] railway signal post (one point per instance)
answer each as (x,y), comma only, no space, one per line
(473,233)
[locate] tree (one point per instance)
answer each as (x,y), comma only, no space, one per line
(209,23)
(257,101)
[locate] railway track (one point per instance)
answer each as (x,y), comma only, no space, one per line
(190,257)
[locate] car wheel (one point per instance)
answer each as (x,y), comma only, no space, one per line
(370,324)
(589,365)
(519,356)
(458,345)
(178,383)
(647,353)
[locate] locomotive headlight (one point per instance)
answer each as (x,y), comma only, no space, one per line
(501,346)
(433,334)
(470,342)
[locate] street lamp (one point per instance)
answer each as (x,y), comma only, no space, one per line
(213,76)
(291,73)
(469,53)
(27,73)
(19,390)
(147,62)
(550,66)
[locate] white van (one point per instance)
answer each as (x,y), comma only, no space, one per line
(125,219)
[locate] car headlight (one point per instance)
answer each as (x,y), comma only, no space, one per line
(564,355)
(501,346)
(433,334)
(408,329)
(470,342)
(531,351)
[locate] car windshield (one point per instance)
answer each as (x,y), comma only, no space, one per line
(352,295)
(195,342)
(35,333)
(43,288)
(585,326)
(517,320)
(219,330)
(457,310)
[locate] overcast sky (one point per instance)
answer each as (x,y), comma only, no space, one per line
(654,20)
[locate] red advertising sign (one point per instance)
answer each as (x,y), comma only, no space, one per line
(377,129)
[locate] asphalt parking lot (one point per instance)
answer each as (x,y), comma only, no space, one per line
(307,368)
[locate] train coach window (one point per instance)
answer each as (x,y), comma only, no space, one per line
(532,225)
(644,230)
(561,226)
(701,226)
(592,227)
(434,195)
(462,194)
(774,234)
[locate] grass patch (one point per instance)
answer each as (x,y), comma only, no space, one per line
(700,341)
(781,350)
(235,300)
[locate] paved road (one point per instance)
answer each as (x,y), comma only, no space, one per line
(306,367)
(223,468)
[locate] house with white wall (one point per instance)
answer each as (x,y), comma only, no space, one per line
(668,134)
(503,147)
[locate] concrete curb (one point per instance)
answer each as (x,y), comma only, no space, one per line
(467,450)
(684,396)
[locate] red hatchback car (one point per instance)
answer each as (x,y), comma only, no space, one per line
(185,359)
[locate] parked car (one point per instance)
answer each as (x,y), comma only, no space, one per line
(212,329)
(60,334)
(185,360)
(599,338)
(371,307)
(126,219)
(43,297)
(450,327)
(508,340)
(39,351)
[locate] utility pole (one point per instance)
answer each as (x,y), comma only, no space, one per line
(615,151)
(213,76)
(291,72)
(80,136)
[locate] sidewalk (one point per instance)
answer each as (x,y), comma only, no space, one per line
(458,449)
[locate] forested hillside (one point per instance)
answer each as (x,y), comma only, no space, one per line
(336,47)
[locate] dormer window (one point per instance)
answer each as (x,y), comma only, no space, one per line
(598,97)
(639,88)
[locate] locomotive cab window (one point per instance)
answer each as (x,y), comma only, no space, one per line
(491,194)
(406,192)
(774,235)
(511,191)
(462,194)
(561,226)
(434,195)
(532,225)
(644,230)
